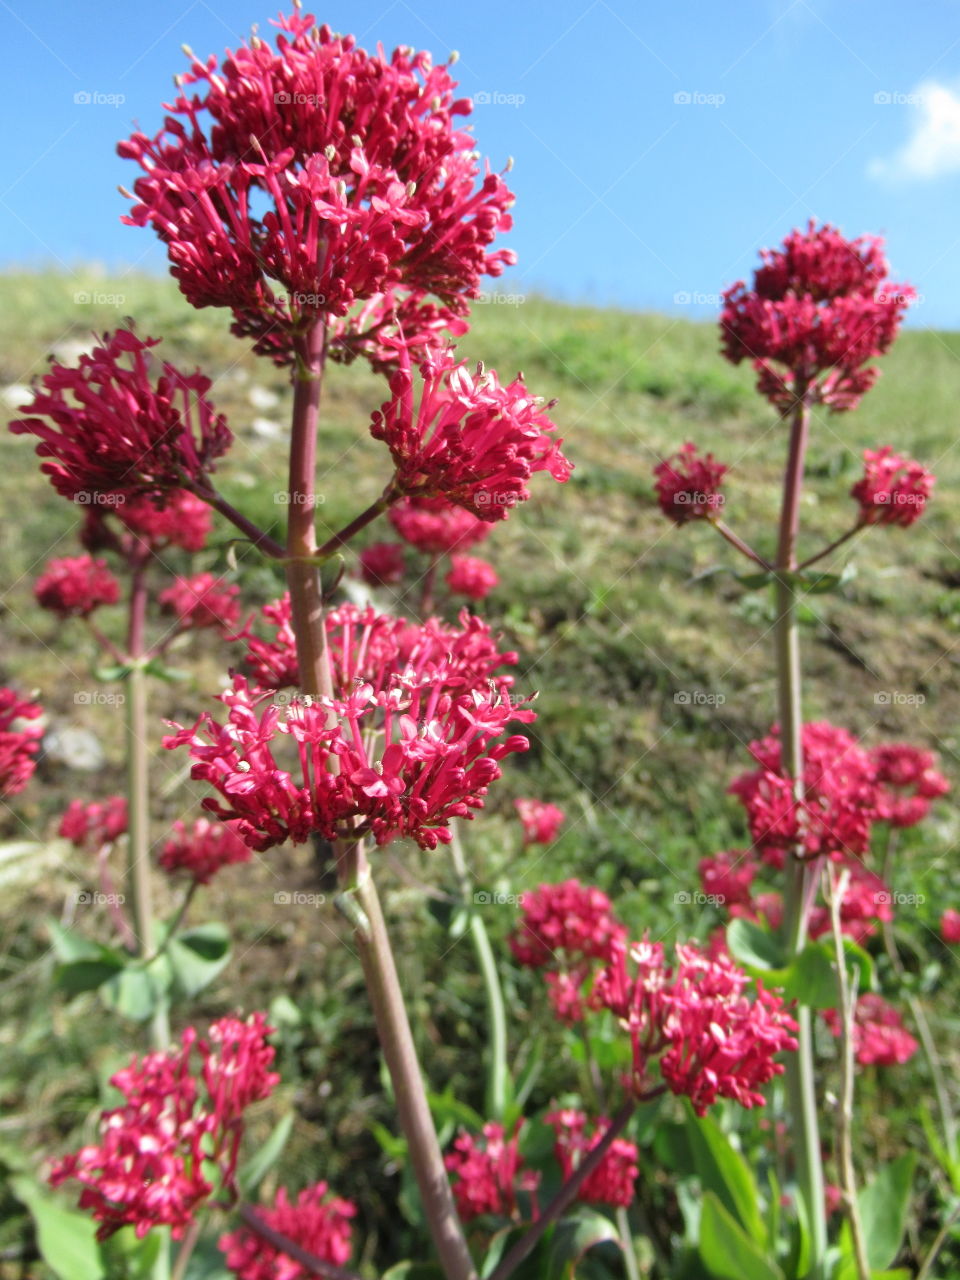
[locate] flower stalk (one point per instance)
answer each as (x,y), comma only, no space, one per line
(801,1088)
(370,933)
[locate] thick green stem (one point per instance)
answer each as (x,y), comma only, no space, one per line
(370,933)
(139,883)
(801,1086)
(498,1074)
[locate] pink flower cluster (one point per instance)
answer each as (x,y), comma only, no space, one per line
(541,821)
(319,1222)
(566,929)
(711,1040)
(382,564)
(74,586)
(847,789)
(879,1036)
(471,577)
(820,308)
(177,1124)
(202,600)
(469,440)
(613,1180)
(372,193)
(436,527)
(488,1172)
(202,850)
(950,926)
(109,430)
(413,729)
(91,826)
(892,489)
(688,485)
(19,740)
(376,648)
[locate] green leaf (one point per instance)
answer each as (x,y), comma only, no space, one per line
(723,1171)
(198,956)
(106,675)
(444,1107)
(253,1171)
(884,1203)
(87,975)
(575,1235)
(131,1258)
(135,992)
(410,1270)
(727,1251)
(66,1239)
(752,581)
(859,962)
(812,979)
(753,947)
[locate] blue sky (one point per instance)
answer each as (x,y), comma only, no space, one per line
(656,146)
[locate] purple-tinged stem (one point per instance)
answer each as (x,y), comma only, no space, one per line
(801,1086)
(566,1195)
(837,542)
(736,541)
(316,1266)
(108,889)
(370,935)
(362,520)
(262,541)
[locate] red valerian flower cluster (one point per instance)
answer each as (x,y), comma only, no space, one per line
(472,577)
(847,789)
(612,1182)
(382,564)
(469,440)
(820,308)
(110,431)
(202,850)
(321,1223)
(184,521)
(431,695)
(436,759)
(892,489)
(488,1172)
(879,1036)
(176,1126)
(541,823)
(202,600)
(727,876)
(91,826)
(688,485)
(372,192)
(566,928)
(376,648)
(711,1040)
(19,740)
(74,586)
(839,803)
(436,527)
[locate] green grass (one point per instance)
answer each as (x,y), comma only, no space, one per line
(613,615)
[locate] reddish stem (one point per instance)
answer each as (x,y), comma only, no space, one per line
(360,522)
(736,541)
(316,1266)
(269,546)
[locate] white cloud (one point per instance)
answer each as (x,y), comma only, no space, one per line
(933,147)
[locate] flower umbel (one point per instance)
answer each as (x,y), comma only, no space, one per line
(110,430)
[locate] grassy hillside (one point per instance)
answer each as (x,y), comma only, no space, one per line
(616,621)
